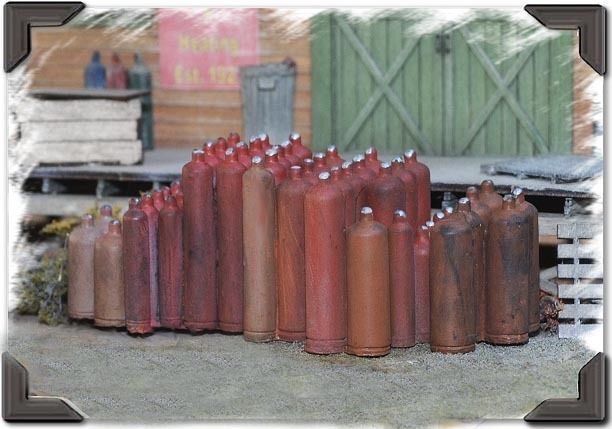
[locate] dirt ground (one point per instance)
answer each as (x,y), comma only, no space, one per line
(171,376)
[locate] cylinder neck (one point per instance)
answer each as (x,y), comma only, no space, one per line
(508,202)
(332,152)
(242,148)
(147,200)
(518,195)
(233,138)
(256,144)
(366,214)
(106,210)
(410,156)
(288,148)
(231,155)
(295,139)
(158,196)
(397,165)
(257,162)
(324,177)
(271,156)
(114,227)
(308,165)
(170,202)
(295,172)
(371,154)
(385,169)
(87,221)
(221,144)
(209,148)
(438,217)
(265,141)
(133,203)
(399,216)
(174,186)
(472,193)
(319,159)
(197,155)
(487,186)
(166,191)
(336,173)
(464,206)
(346,168)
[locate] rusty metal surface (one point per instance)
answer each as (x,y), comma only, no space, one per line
(423,179)
(81,269)
(148,207)
(409,178)
(350,198)
(421,284)
(109,289)
(274,166)
(385,194)
(299,149)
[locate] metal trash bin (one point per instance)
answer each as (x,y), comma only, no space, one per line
(267,100)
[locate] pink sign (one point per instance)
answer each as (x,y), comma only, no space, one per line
(204,48)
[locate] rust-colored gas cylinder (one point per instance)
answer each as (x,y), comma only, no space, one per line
(230,278)
(175,187)
(210,155)
(243,154)
(273,165)
(136,270)
(309,173)
(332,158)
(282,158)
(423,179)
(293,158)
(259,230)
(488,195)
(451,300)
(410,186)
(298,147)
(508,275)
(146,204)
(255,148)
(220,148)
(171,265)
(109,290)
(325,268)
(385,194)
(368,294)
(103,219)
(265,141)
(371,160)
(359,168)
(199,244)
(478,206)
(291,273)
(233,139)
(166,191)
(421,282)
(533,257)
(81,269)
(158,199)
(358,184)
(350,198)
(401,281)
(479,280)
(320,164)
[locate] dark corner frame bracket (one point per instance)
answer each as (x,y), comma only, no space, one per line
(20,16)
(589,20)
(590,406)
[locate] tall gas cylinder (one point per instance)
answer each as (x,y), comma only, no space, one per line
(299,149)
(230,277)
(358,184)
(199,241)
(508,275)
(385,194)
(350,198)
(422,175)
(171,265)
(109,289)
(421,282)
(488,195)
(332,158)
(81,269)
(480,274)
(320,164)
(410,186)
(153,218)
(259,229)
(371,159)
(103,219)
(291,273)
(273,165)
(534,258)
(325,268)
(368,294)
(359,168)
(451,300)
(401,281)
(136,270)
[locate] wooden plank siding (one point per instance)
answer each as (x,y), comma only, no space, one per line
(182,118)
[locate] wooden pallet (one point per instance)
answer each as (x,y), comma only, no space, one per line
(582,311)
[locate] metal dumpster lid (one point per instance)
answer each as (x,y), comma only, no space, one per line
(86,94)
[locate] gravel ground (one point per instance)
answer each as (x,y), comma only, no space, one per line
(168,376)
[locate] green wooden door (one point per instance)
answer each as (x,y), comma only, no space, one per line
(464,90)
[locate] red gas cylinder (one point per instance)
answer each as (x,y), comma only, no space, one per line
(230,277)
(402,280)
(293,158)
(291,273)
(103,219)
(117,73)
(533,257)
(350,198)
(508,275)
(357,183)
(309,173)
(199,240)
(220,148)
(146,204)
(158,199)
(421,282)
(488,195)
(243,154)
(452,301)
(136,271)
(109,289)
(282,158)
(332,158)
(265,141)
(325,268)
(422,175)
(359,168)
(210,155)
(385,194)
(410,186)
(233,139)
(171,265)
(255,148)
(320,164)
(299,149)
(81,269)
(371,159)
(368,295)
(273,165)
(259,230)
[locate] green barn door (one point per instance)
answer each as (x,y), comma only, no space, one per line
(463,91)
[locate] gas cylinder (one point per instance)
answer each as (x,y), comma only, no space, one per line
(233,139)
(368,294)
(319,163)
(410,186)
(488,195)
(421,282)
(422,175)
(117,73)
(210,155)
(508,275)
(230,277)
(299,149)
(325,268)
(401,281)
(109,306)
(371,160)
(308,172)
(533,257)
(259,229)
(358,184)
(136,270)
(282,158)
(81,269)
(265,141)
(350,199)
(166,192)
(199,245)
(158,199)
(273,165)
(332,158)
(478,206)
(103,219)
(385,194)
(293,158)
(170,265)
(175,186)
(146,204)
(220,148)
(451,300)
(243,154)
(480,274)
(291,273)
(359,168)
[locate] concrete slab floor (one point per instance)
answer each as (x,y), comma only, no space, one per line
(177,377)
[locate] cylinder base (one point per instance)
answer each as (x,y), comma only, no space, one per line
(453,349)
(109,323)
(324,347)
(403,342)
(258,337)
(534,329)
(291,336)
(422,338)
(234,328)
(368,351)
(134,327)
(171,323)
(507,340)
(81,316)
(199,326)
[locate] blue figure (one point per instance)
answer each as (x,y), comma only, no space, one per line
(95,73)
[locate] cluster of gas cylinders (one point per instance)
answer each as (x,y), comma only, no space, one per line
(279,244)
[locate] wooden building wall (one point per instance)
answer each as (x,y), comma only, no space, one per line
(182,118)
